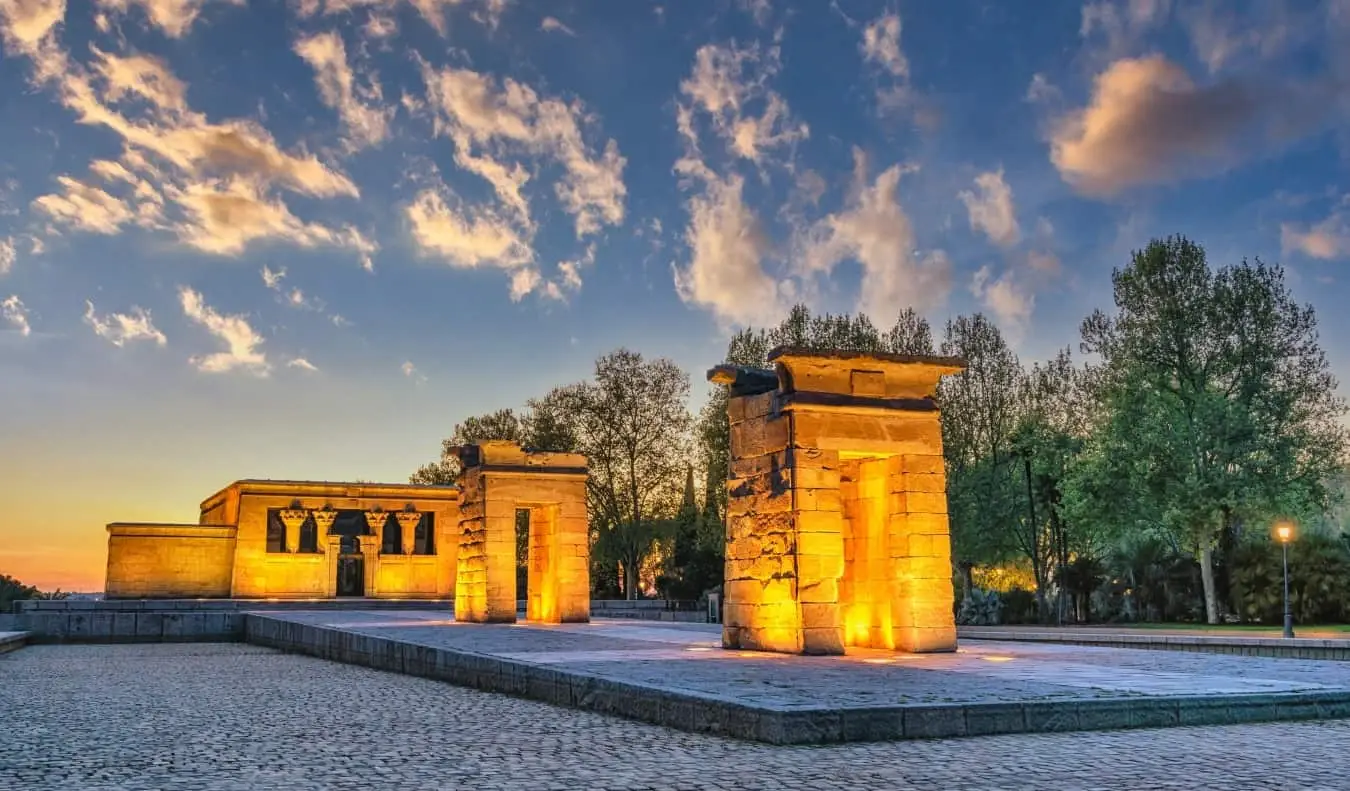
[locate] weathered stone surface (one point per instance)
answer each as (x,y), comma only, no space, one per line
(838,484)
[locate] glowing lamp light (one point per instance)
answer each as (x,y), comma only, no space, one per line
(1284,531)
(997,658)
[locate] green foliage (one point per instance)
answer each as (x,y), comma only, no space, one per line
(12,590)
(1020,606)
(1219,405)
(980,608)
(1319,580)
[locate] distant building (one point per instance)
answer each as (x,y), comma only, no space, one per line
(295,540)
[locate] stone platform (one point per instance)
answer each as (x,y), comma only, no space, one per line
(676,675)
(12,641)
(1306,646)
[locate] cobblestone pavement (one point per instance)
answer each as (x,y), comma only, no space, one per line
(682,656)
(215,716)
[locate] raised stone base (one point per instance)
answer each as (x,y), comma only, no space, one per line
(672,675)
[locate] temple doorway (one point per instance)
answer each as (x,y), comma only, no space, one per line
(351,568)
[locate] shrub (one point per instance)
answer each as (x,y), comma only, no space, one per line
(980,608)
(1019,606)
(1319,580)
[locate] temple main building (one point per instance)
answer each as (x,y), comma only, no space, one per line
(295,539)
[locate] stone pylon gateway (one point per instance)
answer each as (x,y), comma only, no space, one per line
(498,479)
(837,509)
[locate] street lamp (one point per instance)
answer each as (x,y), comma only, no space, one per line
(1284,531)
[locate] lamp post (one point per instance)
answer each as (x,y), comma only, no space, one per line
(1285,533)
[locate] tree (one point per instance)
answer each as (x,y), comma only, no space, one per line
(545,426)
(12,590)
(1220,405)
(632,423)
(981,410)
(503,424)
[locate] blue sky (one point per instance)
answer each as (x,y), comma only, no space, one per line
(249,239)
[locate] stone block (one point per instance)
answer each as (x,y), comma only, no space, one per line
(926,502)
(820,570)
(818,499)
(823,615)
(826,522)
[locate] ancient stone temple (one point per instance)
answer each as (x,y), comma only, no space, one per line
(837,510)
(499,480)
(295,540)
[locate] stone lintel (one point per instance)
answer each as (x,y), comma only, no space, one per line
(518,470)
(873,376)
(508,454)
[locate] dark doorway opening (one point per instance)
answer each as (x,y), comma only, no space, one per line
(522,554)
(351,568)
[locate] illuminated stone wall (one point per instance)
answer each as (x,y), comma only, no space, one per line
(499,478)
(157,561)
(226,554)
(837,513)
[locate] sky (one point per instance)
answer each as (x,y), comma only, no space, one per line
(303,239)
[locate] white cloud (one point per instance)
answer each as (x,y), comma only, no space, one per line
(272,277)
(410,371)
(211,183)
(1045,263)
(727,246)
(1042,91)
(552,24)
(8,255)
(571,270)
(881,45)
(466,238)
(13,311)
(1327,239)
(874,230)
(225,216)
(173,17)
(1010,303)
(489,122)
(27,24)
(1148,122)
(120,329)
(1122,23)
(485,12)
(991,208)
(364,120)
(84,207)
(725,80)
(241,341)
(302,364)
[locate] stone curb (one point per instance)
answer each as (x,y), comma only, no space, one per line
(1272,647)
(12,641)
(689,711)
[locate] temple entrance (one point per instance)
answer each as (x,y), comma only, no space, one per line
(351,575)
(351,568)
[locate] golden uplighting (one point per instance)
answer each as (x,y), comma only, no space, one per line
(879,661)
(997,658)
(698,648)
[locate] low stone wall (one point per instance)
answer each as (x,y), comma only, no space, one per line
(214,620)
(171,620)
(12,641)
(1273,647)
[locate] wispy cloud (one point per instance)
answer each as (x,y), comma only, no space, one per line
(1326,239)
(302,364)
(554,25)
(8,255)
(13,311)
(242,343)
(120,329)
(991,208)
(358,102)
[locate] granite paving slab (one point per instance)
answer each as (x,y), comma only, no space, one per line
(677,674)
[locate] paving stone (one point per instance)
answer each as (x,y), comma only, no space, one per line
(229,717)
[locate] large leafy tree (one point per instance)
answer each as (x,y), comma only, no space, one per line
(1220,405)
(632,422)
(982,408)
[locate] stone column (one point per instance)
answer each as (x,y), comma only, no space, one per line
(323,522)
(375,521)
(293,519)
(407,529)
(333,548)
(370,552)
